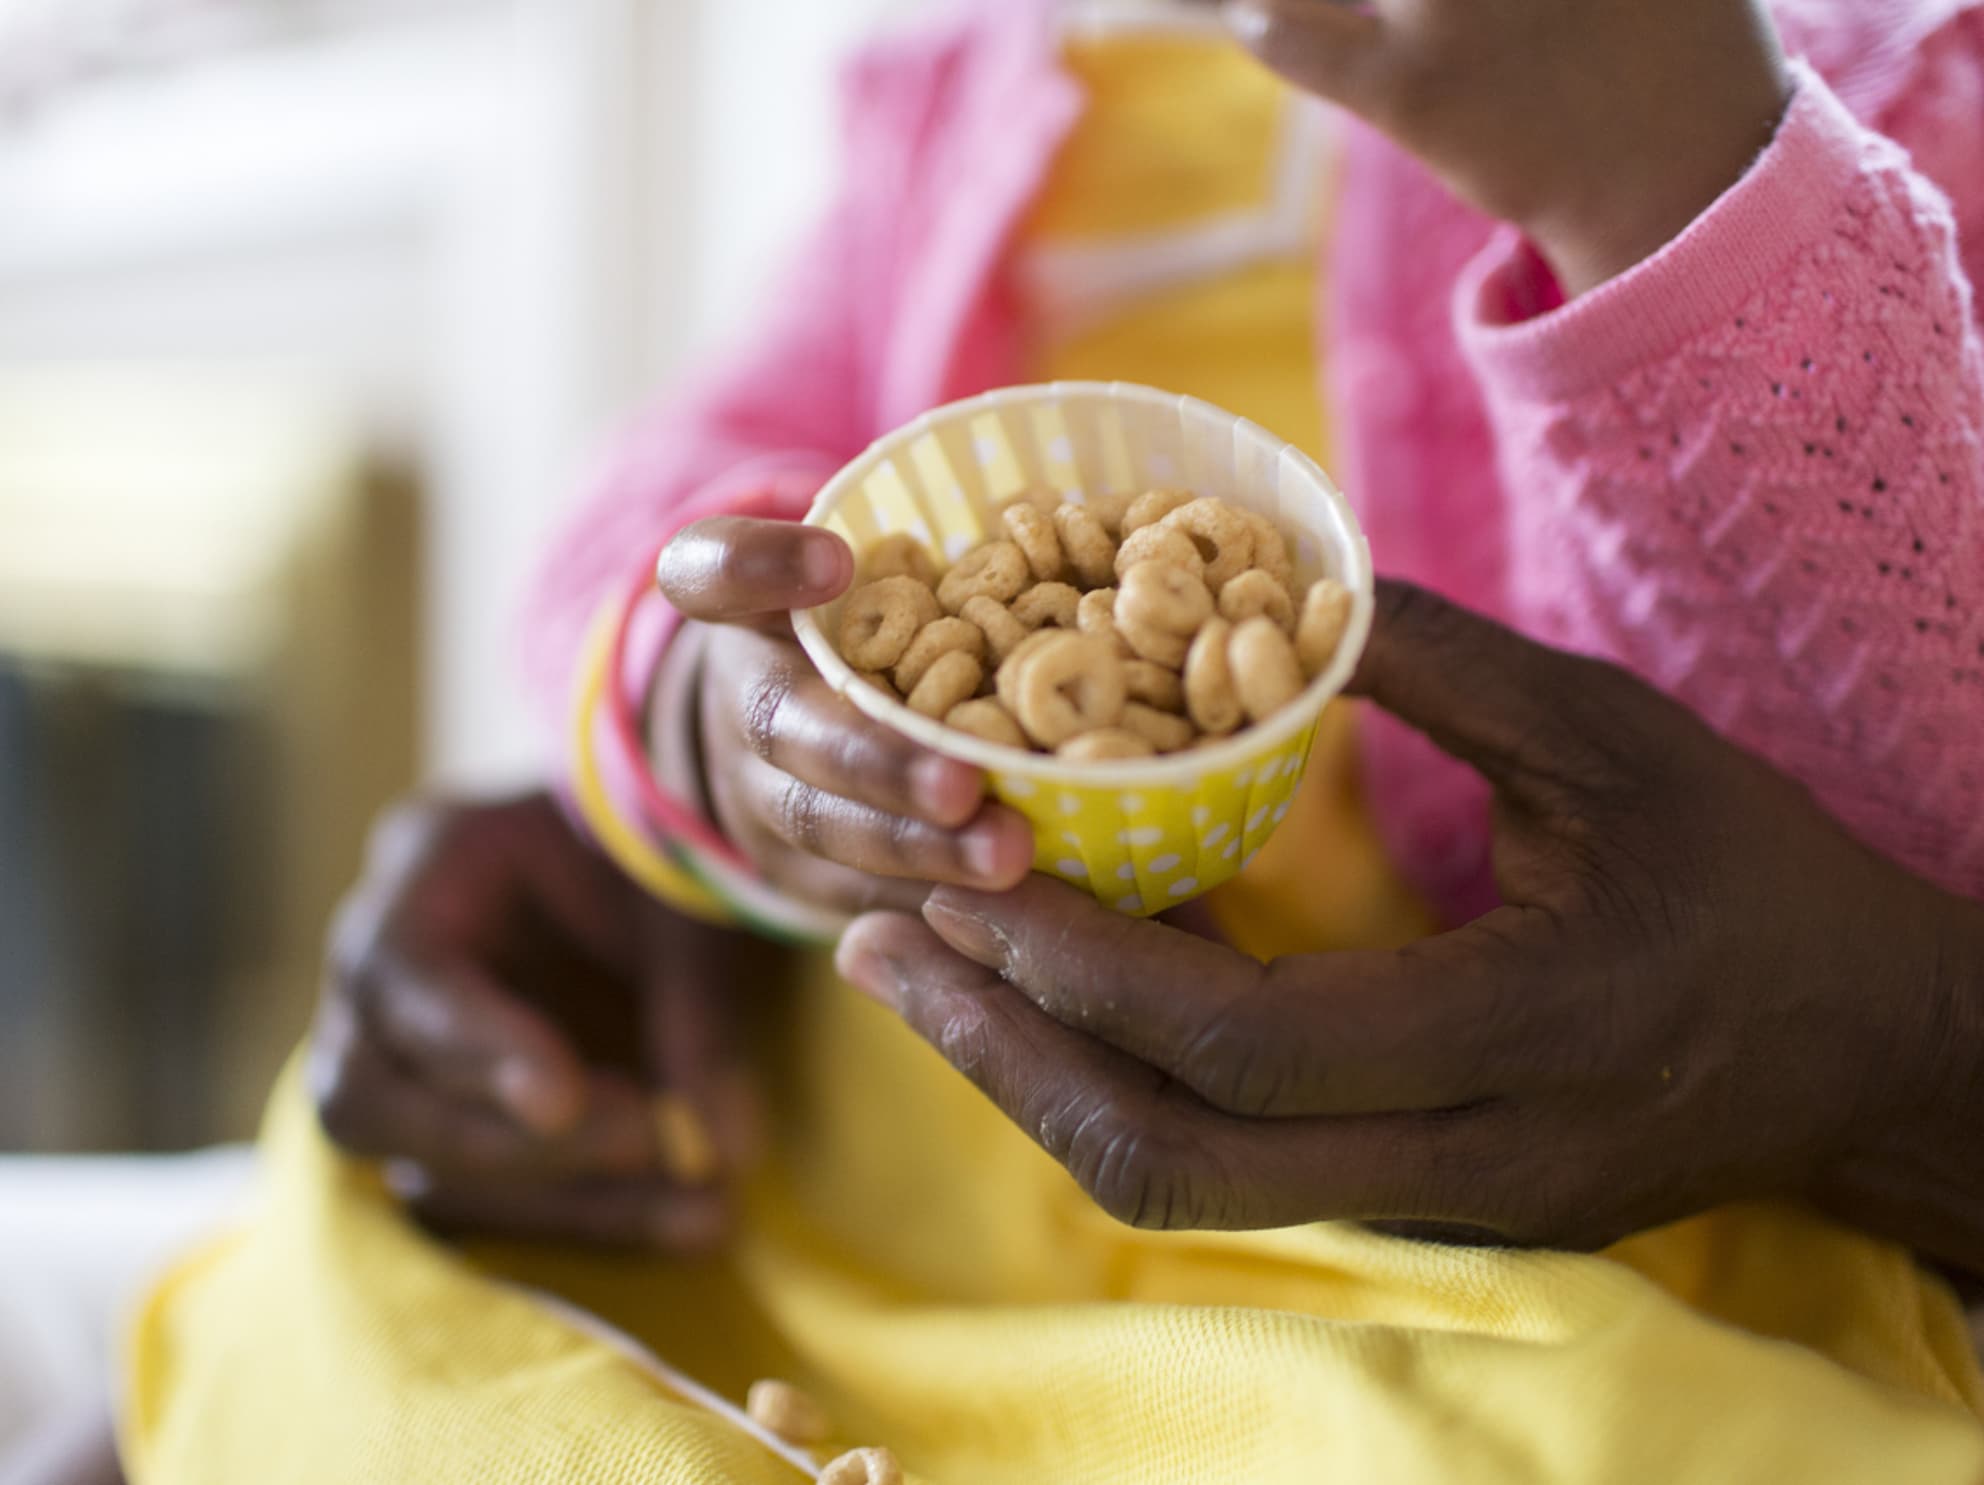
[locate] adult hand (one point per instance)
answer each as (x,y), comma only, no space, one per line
(500,1011)
(831,806)
(1600,129)
(1698,989)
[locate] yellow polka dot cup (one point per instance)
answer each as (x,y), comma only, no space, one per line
(1147,834)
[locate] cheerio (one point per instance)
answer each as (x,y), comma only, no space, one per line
(1142,834)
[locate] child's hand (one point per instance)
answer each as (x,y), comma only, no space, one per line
(1700,990)
(500,1008)
(831,805)
(1601,127)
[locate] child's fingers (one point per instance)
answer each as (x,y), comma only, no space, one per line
(454,1029)
(1328,47)
(791,718)
(994,852)
(731,569)
(614,1214)
(372,1106)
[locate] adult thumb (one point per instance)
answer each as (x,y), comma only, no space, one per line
(1515,710)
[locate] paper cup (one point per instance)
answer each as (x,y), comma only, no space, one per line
(1148,834)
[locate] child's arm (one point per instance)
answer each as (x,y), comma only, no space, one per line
(1745,459)
(1752,468)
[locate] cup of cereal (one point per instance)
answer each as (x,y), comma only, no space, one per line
(1129,607)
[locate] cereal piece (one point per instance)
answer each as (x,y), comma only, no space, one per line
(1072,684)
(1109,510)
(863,1467)
(791,1414)
(934,641)
(1158,596)
(899,555)
(1271,549)
(996,570)
(1265,672)
(1033,533)
(1159,646)
(1160,544)
(1162,730)
(1105,745)
(1222,535)
(1010,670)
(1154,685)
(1046,605)
(1210,699)
(880,682)
(951,680)
(878,621)
(1325,616)
(995,621)
(1255,595)
(1086,545)
(988,720)
(1043,500)
(1148,510)
(1096,613)
(688,1154)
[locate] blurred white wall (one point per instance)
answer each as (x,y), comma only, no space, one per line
(766,109)
(495,230)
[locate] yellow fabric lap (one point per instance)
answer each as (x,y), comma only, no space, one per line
(944,1286)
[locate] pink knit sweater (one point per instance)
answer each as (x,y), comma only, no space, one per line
(1749,469)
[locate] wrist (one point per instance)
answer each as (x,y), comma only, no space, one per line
(1598,229)
(673,720)
(1910,1172)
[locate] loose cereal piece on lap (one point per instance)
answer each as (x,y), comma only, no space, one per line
(788,1412)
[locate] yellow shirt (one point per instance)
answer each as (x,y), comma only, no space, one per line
(1176,245)
(944,1288)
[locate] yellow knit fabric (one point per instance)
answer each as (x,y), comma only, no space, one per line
(945,1289)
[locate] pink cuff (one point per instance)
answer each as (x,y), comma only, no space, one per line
(1520,336)
(649,628)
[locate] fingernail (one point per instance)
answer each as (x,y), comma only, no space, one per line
(823,561)
(687,1224)
(974,936)
(866,970)
(408,1182)
(688,1153)
(535,1100)
(997,852)
(941,789)
(981,852)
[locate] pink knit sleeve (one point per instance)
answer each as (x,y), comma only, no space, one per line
(1752,470)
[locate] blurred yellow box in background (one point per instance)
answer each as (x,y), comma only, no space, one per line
(208,684)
